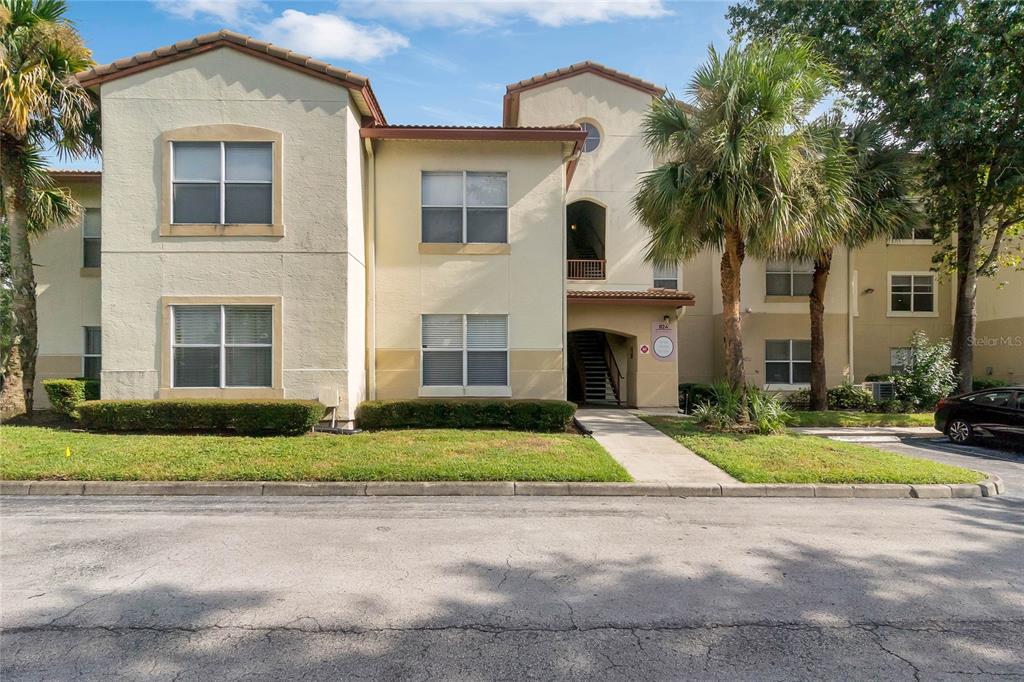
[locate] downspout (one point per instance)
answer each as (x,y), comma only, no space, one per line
(370,238)
(850,298)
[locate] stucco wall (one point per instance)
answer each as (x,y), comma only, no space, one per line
(525,283)
(608,175)
(874,330)
(999,336)
(66,300)
(309,267)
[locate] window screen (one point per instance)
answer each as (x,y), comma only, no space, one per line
(91,231)
(465,350)
(787,361)
(223,182)
(223,346)
(464,207)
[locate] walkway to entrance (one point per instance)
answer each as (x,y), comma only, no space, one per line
(646,453)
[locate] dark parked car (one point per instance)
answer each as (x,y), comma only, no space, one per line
(992,413)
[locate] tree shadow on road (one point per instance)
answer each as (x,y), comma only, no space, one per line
(834,613)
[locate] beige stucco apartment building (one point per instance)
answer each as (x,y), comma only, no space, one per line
(260,230)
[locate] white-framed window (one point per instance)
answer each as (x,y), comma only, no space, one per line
(666,276)
(464,207)
(92,355)
(900,359)
(787,361)
(912,294)
(464,351)
(789,278)
(922,234)
(222,346)
(222,183)
(593,139)
(91,232)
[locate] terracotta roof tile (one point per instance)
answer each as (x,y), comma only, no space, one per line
(642,296)
(586,67)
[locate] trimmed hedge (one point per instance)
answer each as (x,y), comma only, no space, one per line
(244,417)
(983,383)
(66,394)
(465,413)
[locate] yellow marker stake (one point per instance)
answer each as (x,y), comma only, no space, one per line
(67,452)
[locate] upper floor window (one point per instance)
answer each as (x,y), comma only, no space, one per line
(221,346)
(922,234)
(464,207)
(666,276)
(464,350)
(222,183)
(593,140)
(787,361)
(789,278)
(911,293)
(91,238)
(92,358)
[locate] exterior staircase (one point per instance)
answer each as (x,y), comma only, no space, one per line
(592,353)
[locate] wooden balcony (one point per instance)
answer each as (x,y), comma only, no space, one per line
(586,269)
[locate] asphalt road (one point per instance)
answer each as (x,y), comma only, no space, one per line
(514,588)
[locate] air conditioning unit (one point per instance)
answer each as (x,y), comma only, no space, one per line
(881,390)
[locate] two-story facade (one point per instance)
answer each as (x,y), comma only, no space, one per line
(260,230)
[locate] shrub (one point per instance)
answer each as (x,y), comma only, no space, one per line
(692,395)
(66,394)
(465,413)
(766,411)
(245,417)
(984,383)
(799,400)
(931,376)
(849,397)
(711,416)
(878,377)
(891,406)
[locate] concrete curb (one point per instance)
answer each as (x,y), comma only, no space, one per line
(989,488)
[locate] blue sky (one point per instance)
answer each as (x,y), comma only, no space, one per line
(432,61)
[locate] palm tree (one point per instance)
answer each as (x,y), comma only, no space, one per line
(875,201)
(43,106)
(731,159)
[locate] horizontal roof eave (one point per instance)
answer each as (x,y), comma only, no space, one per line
(74,174)
(642,297)
(358,85)
(569,133)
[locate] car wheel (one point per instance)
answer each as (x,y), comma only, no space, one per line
(960,431)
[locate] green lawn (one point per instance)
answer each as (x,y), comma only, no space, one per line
(417,455)
(791,458)
(841,418)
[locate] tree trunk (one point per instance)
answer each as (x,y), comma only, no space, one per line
(12,397)
(24,294)
(819,388)
(968,240)
(732,259)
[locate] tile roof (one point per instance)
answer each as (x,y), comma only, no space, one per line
(586,67)
(642,296)
(225,38)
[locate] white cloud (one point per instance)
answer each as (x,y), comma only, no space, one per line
(227,11)
(331,36)
(480,13)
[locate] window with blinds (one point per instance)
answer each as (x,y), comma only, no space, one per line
(92,358)
(464,207)
(91,238)
(222,183)
(222,346)
(787,361)
(666,276)
(464,350)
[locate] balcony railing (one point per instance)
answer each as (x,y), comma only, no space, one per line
(586,269)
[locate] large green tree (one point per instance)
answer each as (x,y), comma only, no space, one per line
(948,77)
(732,155)
(43,107)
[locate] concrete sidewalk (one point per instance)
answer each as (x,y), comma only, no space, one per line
(646,453)
(867,434)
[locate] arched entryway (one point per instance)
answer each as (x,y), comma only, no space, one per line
(601,368)
(585,244)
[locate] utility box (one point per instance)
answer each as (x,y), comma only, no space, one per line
(329,396)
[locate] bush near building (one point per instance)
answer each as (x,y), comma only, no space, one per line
(244,417)
(465,413)
(66,394)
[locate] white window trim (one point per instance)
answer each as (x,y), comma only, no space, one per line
(913,241)
(600,135)
(792,271)
(223,345)
(792,384)
(85,339)
(465,389)
(911,313)
(655,278)
(223,178)
(465,204)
